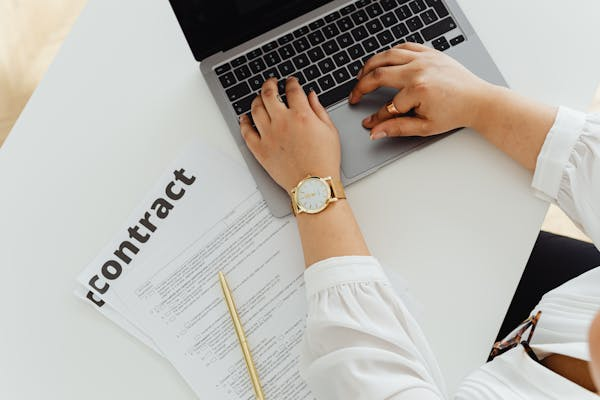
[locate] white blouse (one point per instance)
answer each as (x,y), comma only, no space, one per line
(361,342)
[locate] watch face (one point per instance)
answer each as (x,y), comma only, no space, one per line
(312,195)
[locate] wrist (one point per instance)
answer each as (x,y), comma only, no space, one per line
(485,105)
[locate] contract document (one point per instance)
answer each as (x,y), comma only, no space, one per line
(157,279)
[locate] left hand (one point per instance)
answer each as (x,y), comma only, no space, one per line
(292,142)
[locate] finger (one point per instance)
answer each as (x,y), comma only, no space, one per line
(402,126)
(259,115)
(403,101)
(389,57)
(296,97)
(318,108)
(271,99)
(250,135)
(417,47)
(393,76)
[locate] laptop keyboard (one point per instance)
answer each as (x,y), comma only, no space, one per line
(326,55)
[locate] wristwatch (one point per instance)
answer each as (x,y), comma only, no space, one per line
(313,194)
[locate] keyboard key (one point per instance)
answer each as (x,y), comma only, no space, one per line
(300,31)
(403,13)
(270,46)
(285,39)
(348,9)
(439,7)
(457,40)
(301,61)
(286,68)
(356,51)
(315,54)
(332,17)
(271,73)
(316,38)
(374,10)
(243,106)
(429,17)
(388,19)
(330,31)
(311,72)
(238,61)
(370,44)
(341,58)
(238,91)
(414,23)
(388,4)
(359,17)
(253,54)
(417,6)
(385,37)
(256,82)
(227,79)
(242,73)
(300,76)
(326,66)
(272,58)
(440,44)
(415,38)
(374,27)
(362,3)
(355,67)
(312,87)
(330,47)
(286,51)
(345,40)
(345,24)
(257,65)
(359,33)
(400,30)
(337,94)
(301,45)
(326,82)
(439,28)
(222,69)
(341,75)
(316,24)
(281,86)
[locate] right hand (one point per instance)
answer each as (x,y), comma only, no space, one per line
(443,94)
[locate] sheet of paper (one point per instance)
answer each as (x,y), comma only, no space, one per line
(164,279)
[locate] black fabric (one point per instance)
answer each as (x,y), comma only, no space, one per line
(554,260)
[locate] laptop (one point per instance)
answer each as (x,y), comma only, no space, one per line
(240,43)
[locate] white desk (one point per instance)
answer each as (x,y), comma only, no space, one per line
(125,94)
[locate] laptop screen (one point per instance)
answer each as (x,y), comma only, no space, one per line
(211,26)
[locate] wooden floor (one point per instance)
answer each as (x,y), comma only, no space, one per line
(31,34)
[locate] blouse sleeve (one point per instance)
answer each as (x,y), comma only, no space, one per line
(360,341)
(568,169)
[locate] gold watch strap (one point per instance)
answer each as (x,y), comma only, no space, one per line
(337,188)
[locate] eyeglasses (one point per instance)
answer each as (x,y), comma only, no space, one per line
(503,346)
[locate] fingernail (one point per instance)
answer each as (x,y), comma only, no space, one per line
(360,72)
(378,135)
(242,117)
(350,98)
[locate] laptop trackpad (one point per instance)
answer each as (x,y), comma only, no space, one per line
(359,153)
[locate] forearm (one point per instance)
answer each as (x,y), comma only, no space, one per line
(516,125)
(332,233)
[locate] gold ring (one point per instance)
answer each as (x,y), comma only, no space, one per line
(391,108)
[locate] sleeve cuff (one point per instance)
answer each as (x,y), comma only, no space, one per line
(556,151)
(338,271)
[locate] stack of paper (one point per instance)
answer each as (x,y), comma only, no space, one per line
(157,279)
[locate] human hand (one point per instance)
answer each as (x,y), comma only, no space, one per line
(443,94)
(292,141)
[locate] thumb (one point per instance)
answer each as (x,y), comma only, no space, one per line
(402,126)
